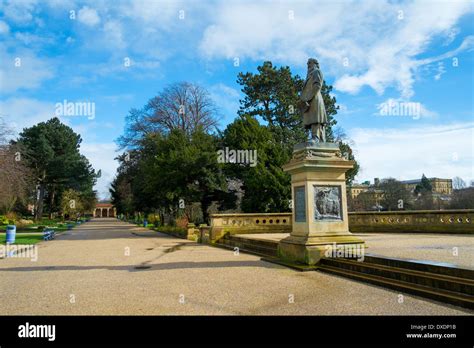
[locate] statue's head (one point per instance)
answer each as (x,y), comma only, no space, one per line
(312,62)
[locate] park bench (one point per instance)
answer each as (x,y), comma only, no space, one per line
(48,234)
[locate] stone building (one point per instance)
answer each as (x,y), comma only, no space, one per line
(441,186)
(357,189)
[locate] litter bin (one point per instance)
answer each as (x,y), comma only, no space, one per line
(11,234)
(145,223)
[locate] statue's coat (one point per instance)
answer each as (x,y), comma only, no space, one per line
(316,112)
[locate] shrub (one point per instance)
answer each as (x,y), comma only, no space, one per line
(173,230)
(11,217)
(153,219)
(182,222)
(3,220)
(23,222)
(45,221)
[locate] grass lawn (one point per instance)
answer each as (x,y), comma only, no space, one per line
(31,229)
(24,238)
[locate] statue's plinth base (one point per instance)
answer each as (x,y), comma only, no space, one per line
(310,251)
(320,221)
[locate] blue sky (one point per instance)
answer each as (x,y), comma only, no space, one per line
(374,53)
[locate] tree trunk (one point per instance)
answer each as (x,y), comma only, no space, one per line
(11,204)
(39,210)
(51,202)
(162,217)
(40,202)
(205,203)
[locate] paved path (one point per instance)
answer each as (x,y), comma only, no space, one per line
(455,249)
(89,271)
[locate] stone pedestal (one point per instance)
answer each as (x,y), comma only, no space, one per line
(320,220)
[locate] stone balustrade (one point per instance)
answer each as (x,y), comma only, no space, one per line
(222,224)
(199,234)
(421,221)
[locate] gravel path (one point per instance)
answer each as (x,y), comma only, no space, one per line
(111,267)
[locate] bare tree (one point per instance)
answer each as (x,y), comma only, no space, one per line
(458,183)
(5,132)
(396,196)
(181,105)
(15,180)
(463,199)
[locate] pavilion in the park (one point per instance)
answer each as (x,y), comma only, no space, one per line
(104,209)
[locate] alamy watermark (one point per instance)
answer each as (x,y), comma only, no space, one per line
(237,156)
(400,108)
(19,251)
(346,251)
(28,330)
(67,108)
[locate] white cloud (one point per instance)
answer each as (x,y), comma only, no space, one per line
(88,16)
(113,32)
(23,69)
(440,71)
(28,39)
(392,60)
(18,11)
(164,14)
(19,113)
(451,35)
(381,49)
(466,45)
(4,28)
(437,151)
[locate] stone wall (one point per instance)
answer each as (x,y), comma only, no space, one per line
(199,234)
(421,221)
(249,223)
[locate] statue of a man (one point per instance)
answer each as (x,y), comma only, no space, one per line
(312,103)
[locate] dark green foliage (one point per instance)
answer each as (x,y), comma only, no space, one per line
(272,95)
(51,151)
(424,194)
(169,169)
(266,187)
(424,186)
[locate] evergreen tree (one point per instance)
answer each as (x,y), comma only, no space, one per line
(266,187)
(51,151)
(424,186)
